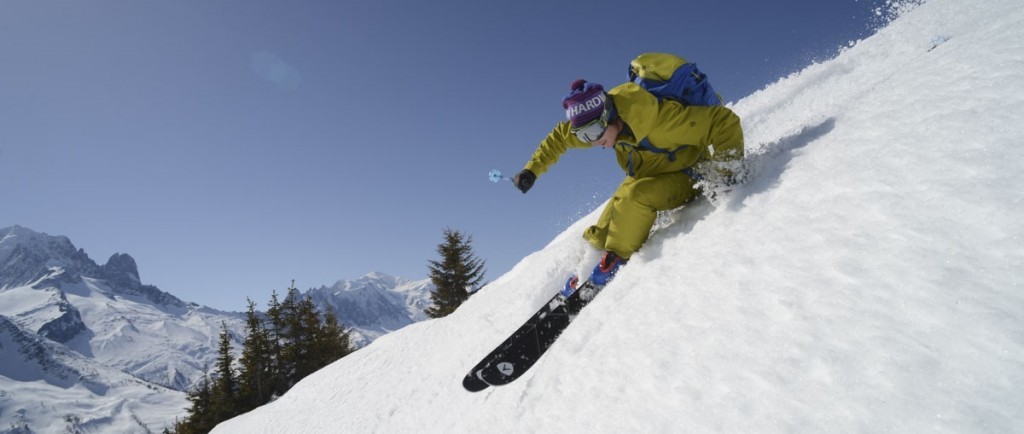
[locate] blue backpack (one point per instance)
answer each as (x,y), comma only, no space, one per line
(671,77)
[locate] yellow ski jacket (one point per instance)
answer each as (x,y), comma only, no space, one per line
(702,132)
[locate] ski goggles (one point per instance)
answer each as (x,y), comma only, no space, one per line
(594,129)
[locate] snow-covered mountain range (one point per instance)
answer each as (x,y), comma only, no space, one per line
(375,304)
(126,351)
(105,313)
(866,278)
(70,324)
(47,387)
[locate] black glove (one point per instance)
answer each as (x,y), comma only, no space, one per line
(524,180)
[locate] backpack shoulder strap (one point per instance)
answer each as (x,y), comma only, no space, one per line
(647,146)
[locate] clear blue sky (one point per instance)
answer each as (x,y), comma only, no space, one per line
(231,146)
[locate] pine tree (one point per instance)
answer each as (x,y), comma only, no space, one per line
(457,273)
(332,342)
(292,335)
(294,341)
(200,417)
(256,374)
(224,395)
(275,335)
(306,327)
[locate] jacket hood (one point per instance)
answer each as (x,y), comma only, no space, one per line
(637,108)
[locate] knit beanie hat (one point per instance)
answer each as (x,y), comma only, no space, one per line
(584,103)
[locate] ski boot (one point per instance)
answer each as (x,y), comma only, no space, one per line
(606,269)
(603,273)
(570,286)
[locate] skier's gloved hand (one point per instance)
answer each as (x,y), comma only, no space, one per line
(524,180)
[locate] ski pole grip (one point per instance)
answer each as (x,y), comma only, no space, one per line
(524,180)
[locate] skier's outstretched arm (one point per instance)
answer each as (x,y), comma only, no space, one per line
(547,154)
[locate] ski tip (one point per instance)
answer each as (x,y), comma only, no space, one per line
(474,384)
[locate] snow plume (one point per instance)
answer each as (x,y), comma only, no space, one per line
(891,10)
(865,277)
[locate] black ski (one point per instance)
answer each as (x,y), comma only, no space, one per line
(519,352)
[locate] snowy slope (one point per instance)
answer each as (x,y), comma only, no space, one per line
(47,388)
(867,278)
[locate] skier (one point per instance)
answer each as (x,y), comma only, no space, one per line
(657,143)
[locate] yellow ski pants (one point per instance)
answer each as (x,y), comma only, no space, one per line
(627,219)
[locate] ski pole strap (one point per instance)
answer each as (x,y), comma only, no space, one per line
(629,157)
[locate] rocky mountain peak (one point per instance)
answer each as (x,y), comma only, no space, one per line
(121,266)
(27,256)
